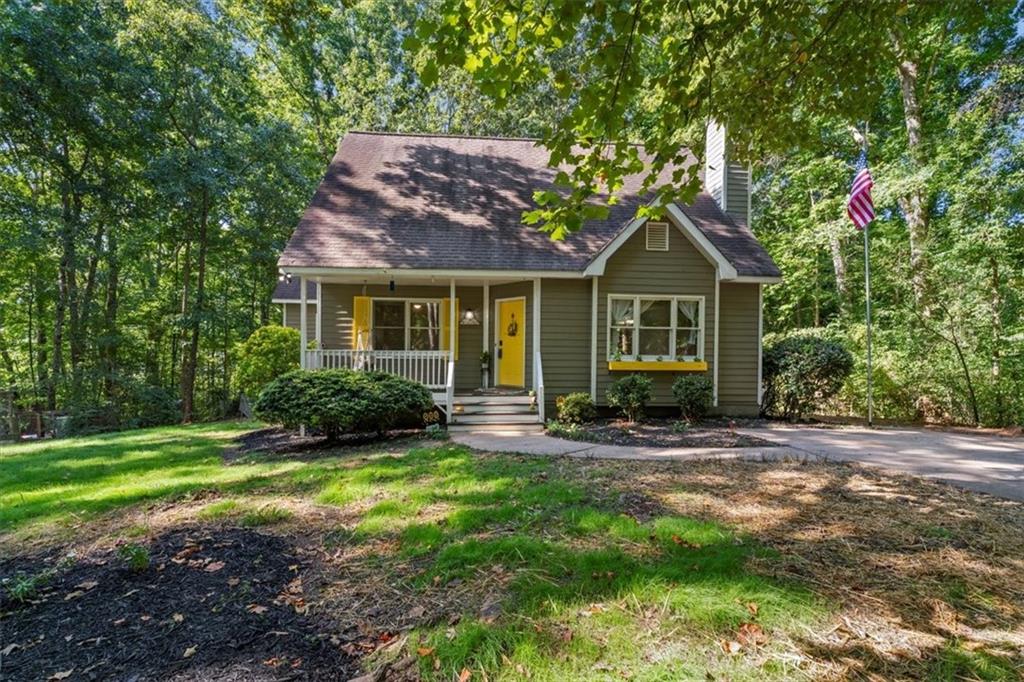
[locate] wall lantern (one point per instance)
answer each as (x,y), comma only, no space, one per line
(469,317)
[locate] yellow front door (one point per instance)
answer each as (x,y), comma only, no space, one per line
(511,342)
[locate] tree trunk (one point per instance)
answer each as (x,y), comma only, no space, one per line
(190,352)
(997,335)
(839,269)
(914,204)
(109,350)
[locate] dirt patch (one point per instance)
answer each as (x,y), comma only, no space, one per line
(225,603)
(665,433)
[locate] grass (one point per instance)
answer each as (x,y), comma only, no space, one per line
(598,571)
(46,486)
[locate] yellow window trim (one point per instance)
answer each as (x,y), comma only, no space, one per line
(656,366)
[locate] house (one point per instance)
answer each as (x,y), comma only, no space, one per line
(416,261)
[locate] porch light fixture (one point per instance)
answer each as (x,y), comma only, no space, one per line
(288,277)
(391,285)
(469,317)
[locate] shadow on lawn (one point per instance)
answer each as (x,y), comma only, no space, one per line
(934,572)
(562,574)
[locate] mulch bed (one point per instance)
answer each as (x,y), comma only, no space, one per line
(276,440)
(664,433)
(215,603)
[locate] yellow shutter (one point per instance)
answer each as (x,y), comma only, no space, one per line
(360,322)
(446,326)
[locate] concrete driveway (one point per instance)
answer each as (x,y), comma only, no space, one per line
(987,463)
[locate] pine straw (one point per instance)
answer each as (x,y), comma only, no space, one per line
(914,565)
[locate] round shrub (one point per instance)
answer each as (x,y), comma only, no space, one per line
(694,393)
(340,401)
(268,353)
(575,408)
(631,394)
(801,371)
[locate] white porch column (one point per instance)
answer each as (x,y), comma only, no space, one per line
(453,320)
(319,312)
(593,339)
(303,334)
(487,330)
(714,378)
(536,327)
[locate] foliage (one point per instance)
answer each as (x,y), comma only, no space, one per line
(147,406)
(694,393)
(436,432)
(801,371)
(575,408)
(342,401)
(656,73)
(268,353)
(135,557)
(631,394)
(566,430)
(24,587)
(156,157)
(265,516)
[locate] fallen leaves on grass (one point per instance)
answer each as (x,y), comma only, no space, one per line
(61,675)
(190,652)
(214,567)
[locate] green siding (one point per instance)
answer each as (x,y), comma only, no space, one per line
(291,317)
(738,349)
(565,337)
(682,270)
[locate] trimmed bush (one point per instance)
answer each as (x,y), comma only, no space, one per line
(802,371)
(340,401)
(631,394)
(268,353)
(694,393)
(575,408)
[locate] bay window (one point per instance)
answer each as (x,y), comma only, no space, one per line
(655,327)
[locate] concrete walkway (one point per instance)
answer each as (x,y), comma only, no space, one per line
(978,461)
(986,463)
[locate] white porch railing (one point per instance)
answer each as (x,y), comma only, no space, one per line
(428,367)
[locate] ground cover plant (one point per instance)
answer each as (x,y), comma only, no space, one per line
(420,560)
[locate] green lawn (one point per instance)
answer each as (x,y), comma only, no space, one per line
(48,485)
(585,587)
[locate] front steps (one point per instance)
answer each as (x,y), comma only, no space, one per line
(495,413)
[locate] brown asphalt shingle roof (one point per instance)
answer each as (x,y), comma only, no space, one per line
(440,202)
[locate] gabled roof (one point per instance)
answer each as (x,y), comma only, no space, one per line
(286,292)
(426,202)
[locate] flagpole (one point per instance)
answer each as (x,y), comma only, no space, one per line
(867,292)
(867,307)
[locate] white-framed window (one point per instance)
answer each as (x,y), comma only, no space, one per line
(655,327)
(406,324)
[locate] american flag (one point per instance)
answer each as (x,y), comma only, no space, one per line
(859,206)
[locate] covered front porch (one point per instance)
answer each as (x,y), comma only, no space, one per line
(455,335)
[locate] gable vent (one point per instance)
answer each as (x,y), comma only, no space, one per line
(657,236)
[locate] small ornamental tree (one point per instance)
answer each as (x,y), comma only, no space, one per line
(268,353)
(695,394)
(341,401)
(631,395)
(801,371)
